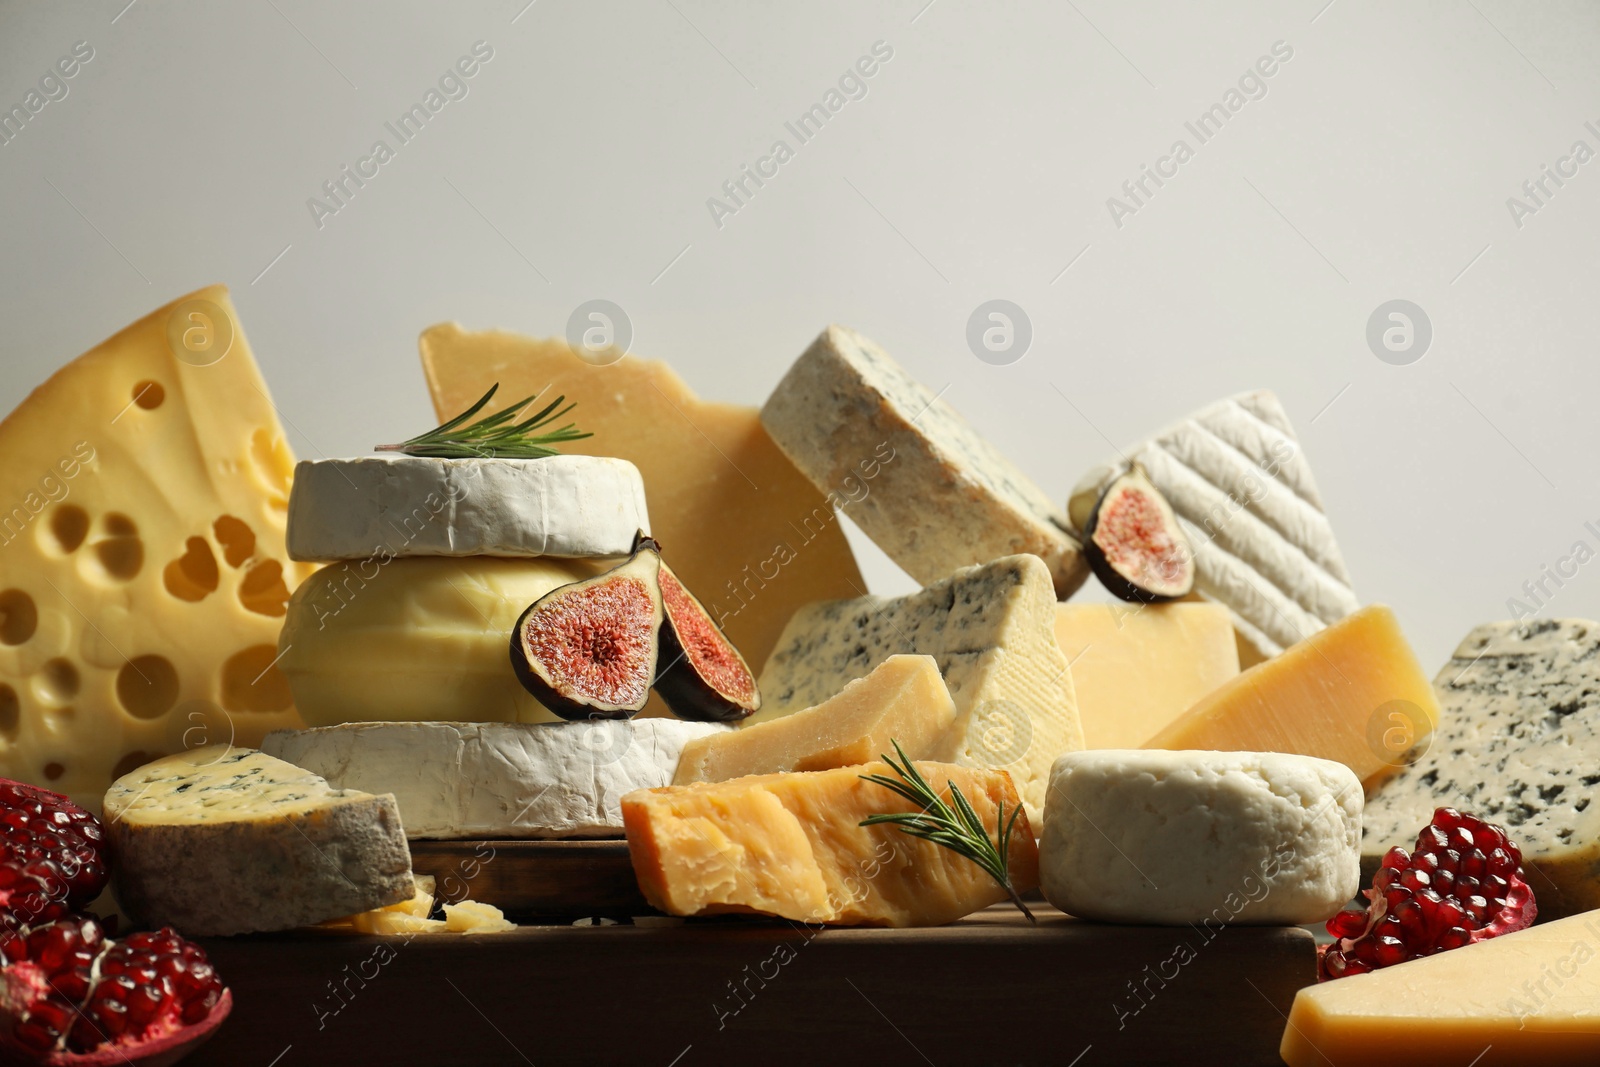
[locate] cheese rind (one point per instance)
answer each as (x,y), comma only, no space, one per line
(790,845)
(142,565)
(1519,744)
(1335,695)
(740,526)
(226,840)
(574,506)
(903,700)
(947,498)
(415,639)
(497,780)
(1237,477)
(1528,997)
(991,630)
(1215,838)
(1138,667)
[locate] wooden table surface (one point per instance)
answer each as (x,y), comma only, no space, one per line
(989,990)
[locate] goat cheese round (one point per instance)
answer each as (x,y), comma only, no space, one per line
(1206,838)
(490,779)
(397,505)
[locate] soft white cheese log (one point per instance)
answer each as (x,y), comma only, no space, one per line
(467,780)
(399,505)
(1213,838)
(911,472)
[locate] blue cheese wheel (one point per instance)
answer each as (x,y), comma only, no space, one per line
(395,506)
(1518,744)
(225,840)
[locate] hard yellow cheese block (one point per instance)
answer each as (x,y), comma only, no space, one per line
(411,640)
(1340,694)
(143,577)
(1531,997)
(789,845)
(904,699)
(743,529)
(1137,667)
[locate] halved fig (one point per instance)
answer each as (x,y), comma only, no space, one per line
(1134,543)
(588,650)
(703,677)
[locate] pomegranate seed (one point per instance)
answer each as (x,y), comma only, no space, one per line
(1462,883)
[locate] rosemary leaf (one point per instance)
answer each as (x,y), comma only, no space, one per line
(500,435)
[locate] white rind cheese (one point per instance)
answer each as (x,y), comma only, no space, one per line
(937,496)
(1518,743)
(1244,494)
(399,505)
(226,840)
(1219,838)
(490,780)
(990,629)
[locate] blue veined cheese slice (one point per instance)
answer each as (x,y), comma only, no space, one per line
(395,506)
(909,470)
(1238,479)
(1518,743)
(991,631)
(492,779)
(225,840)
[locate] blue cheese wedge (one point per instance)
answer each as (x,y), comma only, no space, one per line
(910,471)
(1238,479)
(491,779)
(1518,744)
(990,630)
(225,840)
(397,506)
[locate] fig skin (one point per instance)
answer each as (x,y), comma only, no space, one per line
(642,567)
(687,692)
(1117,583)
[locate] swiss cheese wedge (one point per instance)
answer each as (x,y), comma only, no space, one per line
(143,577)
(790,845)
(744,529)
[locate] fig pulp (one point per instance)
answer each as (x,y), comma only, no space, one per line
(1134,543)
(703,677)
(588,649)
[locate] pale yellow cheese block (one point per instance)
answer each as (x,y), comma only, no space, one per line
(1137,667)
(743,529)
(1340,694)
(904,699)
(142,566)
(790,845)
(1517,1000)
(416,640)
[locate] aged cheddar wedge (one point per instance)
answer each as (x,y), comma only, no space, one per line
(415,639)
(1519,745)
(1137,667)
(226,840)
(142,566)
(789,845)
(1353,693)
(1530,997)
(737,522)
(1238,479)
(948,499)
(903,700)
(991,629)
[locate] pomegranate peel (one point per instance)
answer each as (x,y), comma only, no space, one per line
(705,677)
(1462,883)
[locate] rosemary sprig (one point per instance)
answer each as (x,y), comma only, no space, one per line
(499,435)
(959,829)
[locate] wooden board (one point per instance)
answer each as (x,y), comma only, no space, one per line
(534,881)
(988,990)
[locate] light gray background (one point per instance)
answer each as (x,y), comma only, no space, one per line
(977,167)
